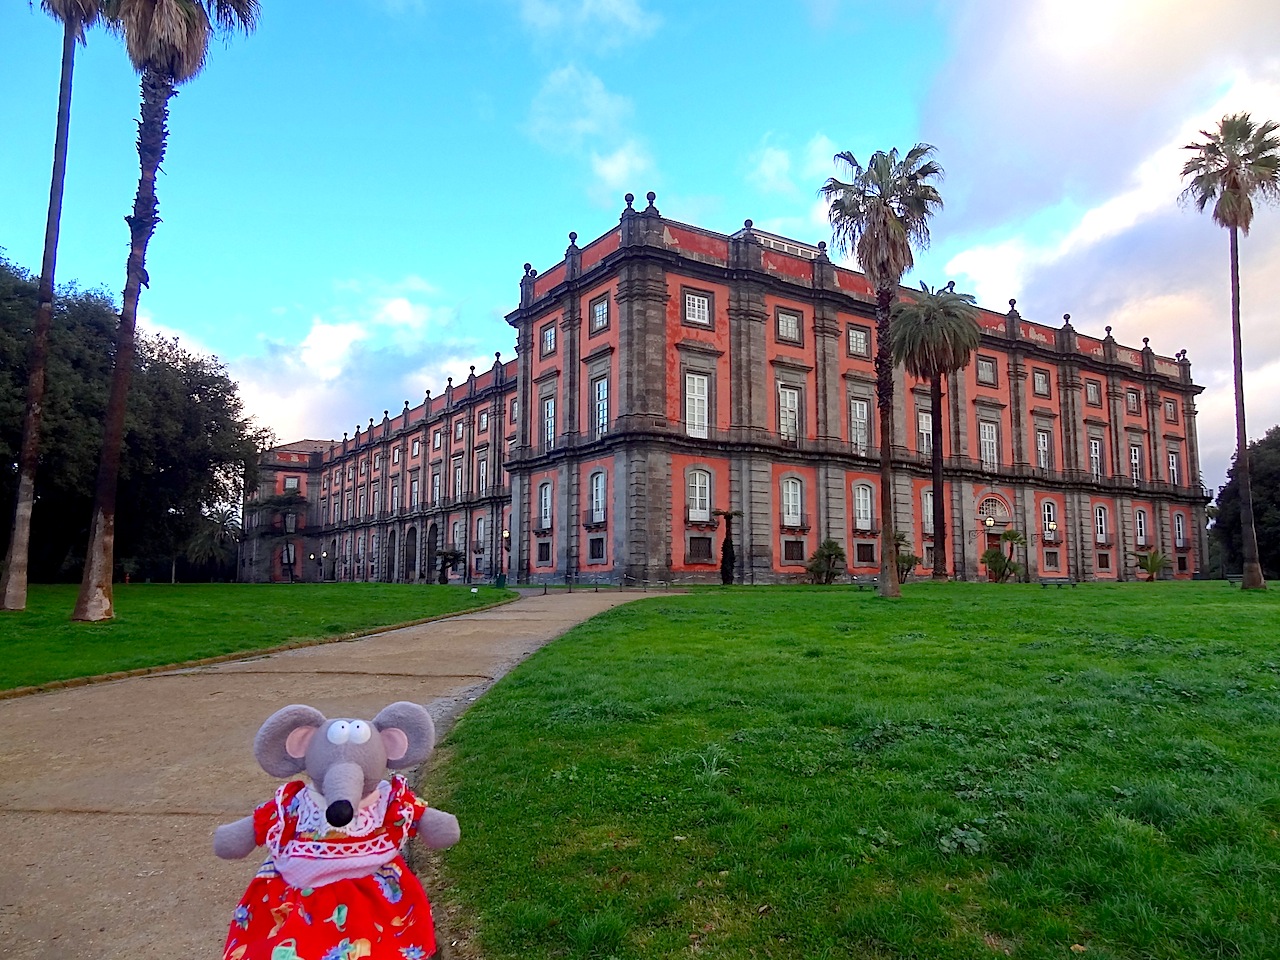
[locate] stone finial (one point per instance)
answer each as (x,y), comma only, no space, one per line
(406,404)
(822,245)
(1145,341)
(1108,329)
(573,236)
(427,393)
(497,356)
(1013,301)
(449,381)
(651,196)
(385,414)
(630,198)
(527,268)
(747,224)
(1066,319)
(371,423)
(473,371)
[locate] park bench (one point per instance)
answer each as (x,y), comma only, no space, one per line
(1235,579)
(1057,582)
(865,582)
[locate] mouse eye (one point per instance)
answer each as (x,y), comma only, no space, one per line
(360,731)
(339,732)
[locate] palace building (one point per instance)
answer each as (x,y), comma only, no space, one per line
(666,373)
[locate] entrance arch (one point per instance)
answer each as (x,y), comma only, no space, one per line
(411,553)
(391,556)
(433,545)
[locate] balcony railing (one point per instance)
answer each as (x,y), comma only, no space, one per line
(867,531)
(595,519)
(795,521)
(1181,543)
(1102,539)
(1050,536)
(542,525)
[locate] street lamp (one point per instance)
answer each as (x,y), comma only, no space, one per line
(324,555)
(506,547)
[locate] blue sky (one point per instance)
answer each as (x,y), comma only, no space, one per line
(348,197)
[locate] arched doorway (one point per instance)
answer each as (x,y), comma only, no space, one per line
(333,559)
(411,553)
(433,544)
(993,519)
(391,556)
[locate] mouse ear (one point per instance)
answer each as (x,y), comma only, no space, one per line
(281,743)
(407,732)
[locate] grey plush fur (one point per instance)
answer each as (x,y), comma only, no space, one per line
(297,738)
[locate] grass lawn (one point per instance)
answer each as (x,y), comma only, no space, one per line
(970,772)
(159,624)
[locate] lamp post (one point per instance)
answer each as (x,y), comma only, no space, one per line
(502,571)
(324,555)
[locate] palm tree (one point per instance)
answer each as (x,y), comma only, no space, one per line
(879,214)
(75,16)
(167,41)
(216,537)
(1231,166)
(934,335)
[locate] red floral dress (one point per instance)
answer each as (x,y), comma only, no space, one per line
(334,894)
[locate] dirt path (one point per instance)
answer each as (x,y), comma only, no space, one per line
(109,793)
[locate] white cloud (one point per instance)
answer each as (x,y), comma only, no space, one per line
(771,171)
(573,107)
(621,170)
(605,23)
(324,350)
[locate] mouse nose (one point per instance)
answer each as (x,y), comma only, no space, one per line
(339,813)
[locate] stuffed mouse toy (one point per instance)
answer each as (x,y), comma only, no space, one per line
(335,886)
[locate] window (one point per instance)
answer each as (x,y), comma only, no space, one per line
(394,505)
(1140,527)
(989,440)
(1171,411)
(1135,461)
(544,507)
(457,430)
(595,549)
(987,371)
(484,421)
(993,507)
(363,467)
(599,314)
(864,554)
(549,422)
(926,512)
(457,479)
(548,339)
(290,483)
(395,455)
(1182,564)
(788,413)
(1179,530)
(859,341)
(290,523)
(1132,401)
(482,476)
(1101,526)
(699,496)
(351,473)
(696,391)
(346,510)
(697,308)
(924,427)
(1093,393)
(1040,382)
(514,408)
(437,440)
(413,490)
(1044,449)
(1049,519)
(480,531)
(377,460)
(793,551)
(376,499)
(789,326)
(1051,559)
(862,507)
(1104,561)
(859,432)
(700,550)
(363,512)
(1095,458)
(337,508)
(435,487)
(791,502)
(597,498)
(544,551)
(600,399)
(1173,467)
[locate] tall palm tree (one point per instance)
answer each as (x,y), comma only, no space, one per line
(75,16)
(1230,167)
(883,209)
(933,335)
(167,41)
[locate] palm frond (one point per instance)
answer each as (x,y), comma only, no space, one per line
(1232,165)
(935,332)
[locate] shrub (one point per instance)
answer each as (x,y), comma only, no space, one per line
(827,562)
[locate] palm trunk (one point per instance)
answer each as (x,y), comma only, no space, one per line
(95,601)
(884,401)
(939,504)
(1252,573)
(13,579)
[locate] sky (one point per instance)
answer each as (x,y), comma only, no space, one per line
(348,201)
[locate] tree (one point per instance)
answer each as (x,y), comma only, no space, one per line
(728,559)
(1233,165)
(1227,529)
(215,539)
(75,16)
(827,562)
(1153,564)
(1001,566)
(448,557)
(904,561)
(878,215)
(934,335)
(167,41)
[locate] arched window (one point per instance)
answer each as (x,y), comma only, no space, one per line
(792,502)
(480,530)
(699,496)
(597,497)
(1101,523)
(993,507)
(926,511)
(544,507)
(1140,526)
(862,516)
(1179,530)
(1049,516)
